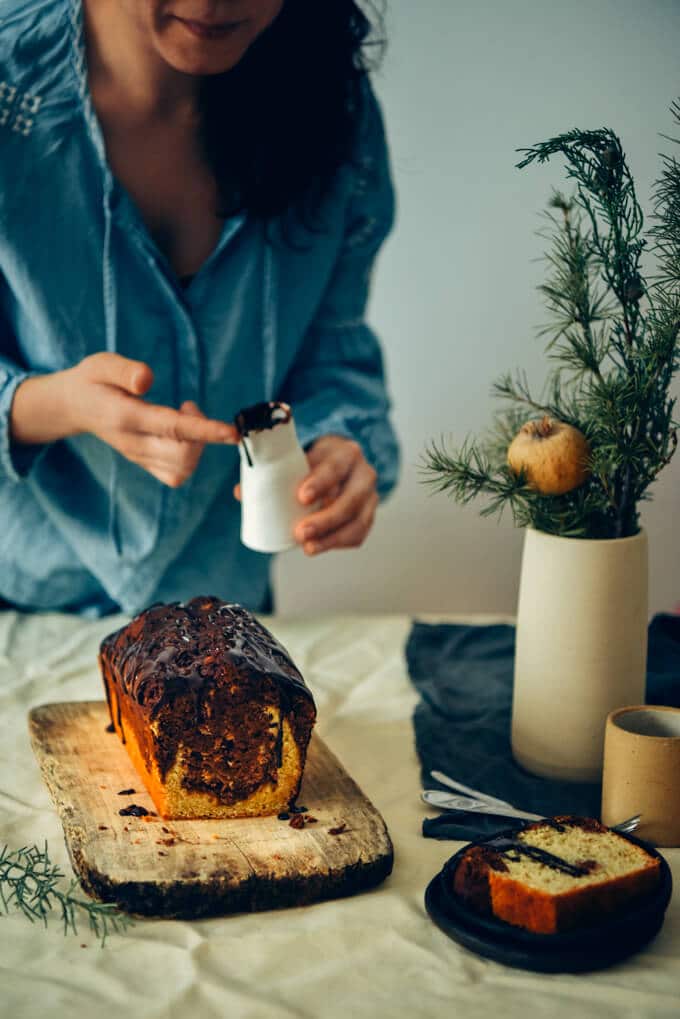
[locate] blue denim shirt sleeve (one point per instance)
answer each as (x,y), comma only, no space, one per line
(337,384)
(15,461)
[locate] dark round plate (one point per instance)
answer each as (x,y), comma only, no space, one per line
(591,947)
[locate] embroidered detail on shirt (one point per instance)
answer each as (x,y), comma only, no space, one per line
(18,109)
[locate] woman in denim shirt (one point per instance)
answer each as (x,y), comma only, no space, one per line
(192,195)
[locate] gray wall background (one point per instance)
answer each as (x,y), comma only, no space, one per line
(454,297)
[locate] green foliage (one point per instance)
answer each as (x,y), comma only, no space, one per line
(29,883)
(612,340)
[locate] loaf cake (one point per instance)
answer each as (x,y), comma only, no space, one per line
(212,711)
(554,875)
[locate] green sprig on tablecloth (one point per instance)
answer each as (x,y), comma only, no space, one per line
(30,884)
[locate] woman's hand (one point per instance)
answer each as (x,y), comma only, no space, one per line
(344,483)
(101,395)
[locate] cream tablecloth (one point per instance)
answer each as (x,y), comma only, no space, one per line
(374,955)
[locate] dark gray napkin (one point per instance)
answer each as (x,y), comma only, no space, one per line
(462,723)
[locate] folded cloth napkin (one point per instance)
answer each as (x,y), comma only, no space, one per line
(462,723)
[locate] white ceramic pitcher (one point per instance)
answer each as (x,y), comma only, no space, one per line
(273,464)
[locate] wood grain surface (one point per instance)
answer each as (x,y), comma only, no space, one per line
(190,869)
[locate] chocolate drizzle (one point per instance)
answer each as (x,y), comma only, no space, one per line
(262,417)
(181,645)
(511,849)
(259,418)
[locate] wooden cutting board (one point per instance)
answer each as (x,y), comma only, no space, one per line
(189,869)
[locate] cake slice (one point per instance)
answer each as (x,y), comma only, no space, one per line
(554,875)
(211,709)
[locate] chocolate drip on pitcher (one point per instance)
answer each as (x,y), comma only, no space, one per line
(262,417)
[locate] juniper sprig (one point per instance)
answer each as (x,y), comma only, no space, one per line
(613,343)
(30,883)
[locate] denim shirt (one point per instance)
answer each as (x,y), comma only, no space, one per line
(81,527)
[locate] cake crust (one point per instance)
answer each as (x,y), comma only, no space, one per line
(213,712)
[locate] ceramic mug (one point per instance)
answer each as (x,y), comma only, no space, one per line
(642,771)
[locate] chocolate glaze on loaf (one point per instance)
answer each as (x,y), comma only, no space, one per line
(199,669)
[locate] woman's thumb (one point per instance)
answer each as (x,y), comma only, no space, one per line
(112,369)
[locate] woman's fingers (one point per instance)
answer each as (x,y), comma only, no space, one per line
(358,489)
(104,393)
(331,495)
(169,460)
(166,423)
(171,475)
(332,460)
(350,535)
(110,369)
(344,484)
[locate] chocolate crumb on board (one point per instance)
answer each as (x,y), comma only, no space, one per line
(311,820)
(161,853)
(126,792)
(297,822)
(103,827)
(283,816)
(134,810)
(339,830)
(299,810)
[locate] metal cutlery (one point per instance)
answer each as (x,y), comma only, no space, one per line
(443,801)
(439,776)
(476,802)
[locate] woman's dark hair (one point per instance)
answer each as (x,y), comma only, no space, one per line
(277,127)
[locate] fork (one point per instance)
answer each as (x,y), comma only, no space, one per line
(481,803)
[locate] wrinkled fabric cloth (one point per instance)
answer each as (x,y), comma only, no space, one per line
(370,956)
(462,722)
(82,527)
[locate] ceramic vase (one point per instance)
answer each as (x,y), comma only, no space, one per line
(581,649)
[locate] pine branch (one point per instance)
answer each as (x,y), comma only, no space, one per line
(613,361)
(468,473)
(579,308)
(29,883)
(595,160)
(606,192)
(517,390)
(666,203)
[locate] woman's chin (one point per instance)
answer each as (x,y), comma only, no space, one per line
(188,51)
